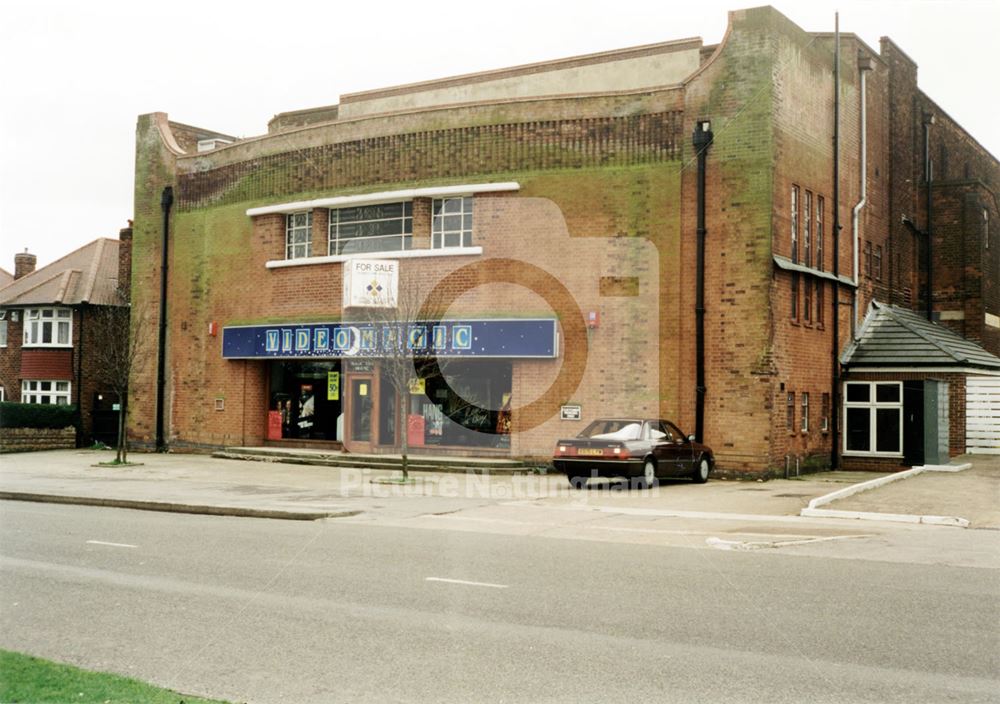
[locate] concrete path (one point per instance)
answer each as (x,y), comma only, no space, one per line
(203,484)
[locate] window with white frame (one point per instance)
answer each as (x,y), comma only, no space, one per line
(3,394)
(298,235)
(807,229)
(820,207)
(451,222)
(805,412)
(48,327)
(873,417)
(384,227)
(53,392)
(3,328)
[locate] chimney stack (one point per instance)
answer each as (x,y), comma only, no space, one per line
(24,264)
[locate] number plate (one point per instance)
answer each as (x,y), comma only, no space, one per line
(589,451)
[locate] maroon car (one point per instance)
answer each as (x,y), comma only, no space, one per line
(645,450)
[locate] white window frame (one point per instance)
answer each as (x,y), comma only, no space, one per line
(3,329)
(295,247)
(873,406)
(795,224)
(34,390)
(441,235)
(404,238)
(804,423)
(35,321)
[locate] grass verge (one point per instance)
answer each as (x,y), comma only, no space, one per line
(26,679)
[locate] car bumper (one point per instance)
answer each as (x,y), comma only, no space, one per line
(590,467)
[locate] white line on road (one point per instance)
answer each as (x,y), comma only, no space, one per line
(114,545)
(462,581)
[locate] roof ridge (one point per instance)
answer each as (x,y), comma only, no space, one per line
(95,265)
(947,349)
(41,282)
(67,277)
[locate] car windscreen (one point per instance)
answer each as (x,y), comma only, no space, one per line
(612,430)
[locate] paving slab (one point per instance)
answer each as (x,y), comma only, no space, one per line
(973,494)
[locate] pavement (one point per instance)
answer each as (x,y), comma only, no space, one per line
(207,485)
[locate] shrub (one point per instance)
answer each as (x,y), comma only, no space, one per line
(37,415)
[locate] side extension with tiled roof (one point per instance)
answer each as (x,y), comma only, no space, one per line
(898,337)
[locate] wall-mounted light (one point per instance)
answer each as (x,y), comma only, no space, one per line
(594,319)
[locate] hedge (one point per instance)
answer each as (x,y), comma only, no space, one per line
(37,415)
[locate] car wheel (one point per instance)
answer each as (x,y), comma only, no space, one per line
(648,477)
(578,482)
(700,475)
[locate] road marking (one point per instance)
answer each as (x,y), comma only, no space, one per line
(462,581)
(114,545)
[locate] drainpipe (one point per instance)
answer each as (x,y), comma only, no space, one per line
(702,140)
(864,66)
(928,228)
(79,371)
(166,200)
(835,352)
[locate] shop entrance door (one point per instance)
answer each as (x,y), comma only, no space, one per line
(362,402)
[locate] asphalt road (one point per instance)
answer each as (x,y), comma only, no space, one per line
(271,611)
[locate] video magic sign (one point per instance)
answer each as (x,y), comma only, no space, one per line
(520,338)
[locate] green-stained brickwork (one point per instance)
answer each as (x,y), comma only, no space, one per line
(427,155)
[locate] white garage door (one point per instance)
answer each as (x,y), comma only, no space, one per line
(982,415)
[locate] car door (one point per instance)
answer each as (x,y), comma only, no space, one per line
(684,449)
(665,447)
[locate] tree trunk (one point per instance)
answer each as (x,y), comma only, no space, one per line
(404,430)
(120,449)
(124,429)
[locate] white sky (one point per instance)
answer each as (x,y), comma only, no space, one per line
(75,75)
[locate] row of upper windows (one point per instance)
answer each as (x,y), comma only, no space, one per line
(43,327)
(385,227)
(808,221)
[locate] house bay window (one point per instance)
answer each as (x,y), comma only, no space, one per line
(385,227)
(53,392)
(873,418)
(451,223)
(48,327)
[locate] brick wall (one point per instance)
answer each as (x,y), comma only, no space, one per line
(33,439)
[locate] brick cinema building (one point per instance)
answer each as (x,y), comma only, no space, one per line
(649,231)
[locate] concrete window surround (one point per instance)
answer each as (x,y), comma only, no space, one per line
(385,197)
(405,254)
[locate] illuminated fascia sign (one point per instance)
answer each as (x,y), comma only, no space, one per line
(370,283)
(525,338)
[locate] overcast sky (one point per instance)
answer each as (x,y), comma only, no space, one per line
(75,75)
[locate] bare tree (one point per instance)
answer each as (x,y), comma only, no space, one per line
(395,354)
(120,345)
